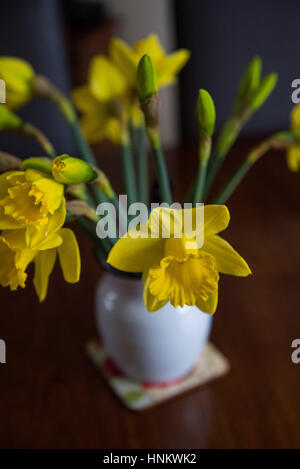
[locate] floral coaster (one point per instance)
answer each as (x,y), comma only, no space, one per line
(138,395)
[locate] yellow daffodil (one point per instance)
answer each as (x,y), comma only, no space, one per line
(100,119)
(293,152)
(18,248)
(166,66)
(28,198)
(18,76)
(175,269)
(110,95)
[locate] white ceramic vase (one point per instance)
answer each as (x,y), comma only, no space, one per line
(155,347)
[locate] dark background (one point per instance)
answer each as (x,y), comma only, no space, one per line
(50,395)
(59,37)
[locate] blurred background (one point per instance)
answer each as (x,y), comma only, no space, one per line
(59,37)
(50,395)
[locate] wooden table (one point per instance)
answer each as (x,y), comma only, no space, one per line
(51,396)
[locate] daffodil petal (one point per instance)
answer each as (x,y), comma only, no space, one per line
(84,100)
(123,56)
(210,305)
(4,185)
(216,219)
(151,46)
(228,261)
(105,80)
(135,254)
(9,274)
(171,65)
(53,192)
(69,256)
(151,302)
(295,120)
(93,127)
(293,158)
(56,221)
(44,263)
(41,240)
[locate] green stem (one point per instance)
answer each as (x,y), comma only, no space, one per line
(142,166)
(162,173)
(163,178)
(90,229)
(212,173)
(32,131)
(228,136)
(199,191)
(234,182)
(190,192)
(128,168)
(280,140)
(83,146)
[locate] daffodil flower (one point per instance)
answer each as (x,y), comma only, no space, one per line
(100,119)
(18,248)
(166,66)
(293,152)
(175,269)
(28,197)
(18,76)
(110,95)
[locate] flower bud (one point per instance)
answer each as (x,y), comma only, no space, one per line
(17,75)
(262,92)
(9,120)
(249,81)
(146,79)
(40,164)
(69,170)
(205,112)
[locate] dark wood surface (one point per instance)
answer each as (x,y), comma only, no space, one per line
(52,397)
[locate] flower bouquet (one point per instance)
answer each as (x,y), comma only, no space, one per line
(163,258)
